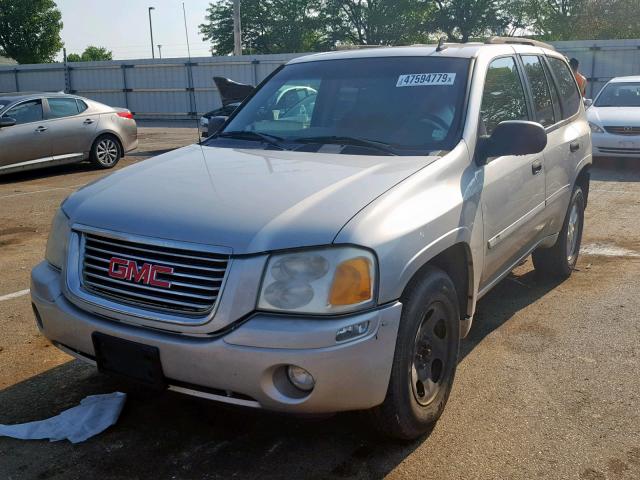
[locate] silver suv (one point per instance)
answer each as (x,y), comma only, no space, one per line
(326,253)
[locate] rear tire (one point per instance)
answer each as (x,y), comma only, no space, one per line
(106,152)
(560,260)
(425,359)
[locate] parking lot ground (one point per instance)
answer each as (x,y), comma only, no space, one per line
(547,385)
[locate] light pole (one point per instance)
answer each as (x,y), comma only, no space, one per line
(237,29)
(160,51)
(153,54)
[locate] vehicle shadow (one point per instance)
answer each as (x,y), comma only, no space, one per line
(616,169)
(515,292)
(167,435)
(46,172)
(163,435)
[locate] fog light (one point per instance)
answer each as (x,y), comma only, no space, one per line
(300,378)
(352,331)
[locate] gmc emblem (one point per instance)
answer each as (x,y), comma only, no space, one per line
(147,274)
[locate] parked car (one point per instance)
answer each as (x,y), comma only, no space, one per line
(288,102)
(332,264)
(43,129)
(614,118)
(231,96)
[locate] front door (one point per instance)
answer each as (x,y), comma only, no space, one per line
(513,196)
(28,139)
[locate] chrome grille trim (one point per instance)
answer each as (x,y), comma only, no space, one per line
(628,131)
(197,271)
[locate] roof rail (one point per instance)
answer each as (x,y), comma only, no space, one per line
(350,46)
(519,41)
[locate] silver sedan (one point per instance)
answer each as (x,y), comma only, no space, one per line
(42,129)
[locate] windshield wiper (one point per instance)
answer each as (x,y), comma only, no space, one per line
(249,135)
(338,140)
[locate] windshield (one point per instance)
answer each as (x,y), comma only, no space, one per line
(619,95)
(404,105)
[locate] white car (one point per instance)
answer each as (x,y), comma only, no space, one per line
(614,118)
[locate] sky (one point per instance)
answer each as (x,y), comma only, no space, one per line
(122,26)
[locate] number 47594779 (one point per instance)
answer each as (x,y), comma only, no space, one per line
(424,79)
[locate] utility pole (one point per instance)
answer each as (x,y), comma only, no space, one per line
(237,29)
(160,51)
(153,53)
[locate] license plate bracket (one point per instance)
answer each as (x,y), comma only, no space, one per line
(129,360)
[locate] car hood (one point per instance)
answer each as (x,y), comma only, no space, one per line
(247,200)
(615,116)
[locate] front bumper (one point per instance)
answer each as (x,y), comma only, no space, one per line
(246,365)
(609,145)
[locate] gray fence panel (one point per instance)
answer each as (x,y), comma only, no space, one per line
(601,60)
(182,88)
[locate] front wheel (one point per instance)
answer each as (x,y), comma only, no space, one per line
(425,359)
(561,258)
(105,152)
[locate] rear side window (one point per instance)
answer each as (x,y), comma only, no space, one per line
(503,97)
(568,90)
(26,112)
(62,107)
(540,90)
(81,105)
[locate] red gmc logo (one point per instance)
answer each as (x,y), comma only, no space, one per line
(147,274)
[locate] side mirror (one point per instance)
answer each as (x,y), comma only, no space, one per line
(513,137)
(7,122)
(215,124)
(587,102)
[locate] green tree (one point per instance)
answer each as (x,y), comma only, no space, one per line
(268,26)
(30,30)
(462,20)
(379,22)
(91,54)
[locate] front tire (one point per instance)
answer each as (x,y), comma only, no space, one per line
(106,152)
(425,359)
(560,260)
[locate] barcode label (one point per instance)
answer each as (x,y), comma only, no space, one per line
(425,79)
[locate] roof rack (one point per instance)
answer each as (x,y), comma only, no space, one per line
(519,41)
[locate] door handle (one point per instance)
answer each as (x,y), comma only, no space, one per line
(88,121)
(536,167)
(574,146)
(41,129)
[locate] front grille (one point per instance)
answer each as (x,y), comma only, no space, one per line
(623,130)
(619,150)
(194,284)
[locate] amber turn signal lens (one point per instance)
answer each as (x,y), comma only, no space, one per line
(352,282)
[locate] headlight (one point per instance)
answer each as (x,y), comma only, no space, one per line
(595,128)
(322,281)
(204,121)
(58,239)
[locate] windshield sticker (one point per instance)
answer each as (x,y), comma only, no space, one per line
(425,79)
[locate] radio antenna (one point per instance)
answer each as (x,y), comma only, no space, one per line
(193,97)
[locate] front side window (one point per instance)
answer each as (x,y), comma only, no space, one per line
(568,89)
(26,112)
(540,90)
(408,105)
(619,95)
(503,97)
(62,107)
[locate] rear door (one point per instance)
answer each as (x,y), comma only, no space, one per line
(568,143)
(514,187)
(28,139)
(71,130)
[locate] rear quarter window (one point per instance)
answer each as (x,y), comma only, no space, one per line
(567,87)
